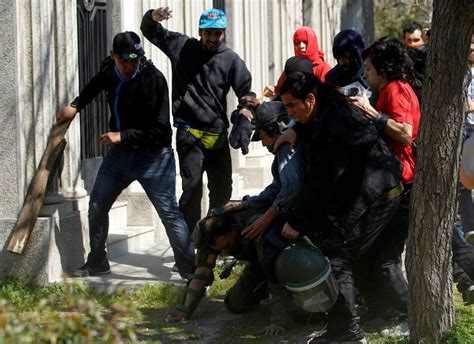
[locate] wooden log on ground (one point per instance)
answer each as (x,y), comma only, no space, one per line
(38,188)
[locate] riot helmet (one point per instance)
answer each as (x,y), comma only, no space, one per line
(304,270)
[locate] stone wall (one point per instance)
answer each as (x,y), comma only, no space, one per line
(39,74)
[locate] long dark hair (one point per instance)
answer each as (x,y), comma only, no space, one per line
(388,55)
(213,226)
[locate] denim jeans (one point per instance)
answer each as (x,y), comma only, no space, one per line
(156,172)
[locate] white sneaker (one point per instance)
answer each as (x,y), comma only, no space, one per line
(402,329)
(469,236)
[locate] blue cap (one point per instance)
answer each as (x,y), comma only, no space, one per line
(213,19)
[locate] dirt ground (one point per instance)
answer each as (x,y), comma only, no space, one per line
(213,323)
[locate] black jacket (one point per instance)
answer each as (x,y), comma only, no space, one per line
(201,79)
(348,44)
(139,107)
(350,167)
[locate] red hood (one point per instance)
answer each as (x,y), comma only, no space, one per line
(313,53)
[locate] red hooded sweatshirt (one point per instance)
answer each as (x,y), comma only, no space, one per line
(320,67)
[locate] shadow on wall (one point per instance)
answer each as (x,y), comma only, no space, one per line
(56,245)
(71,239)
(32,264)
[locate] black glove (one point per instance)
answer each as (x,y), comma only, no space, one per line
(241,133)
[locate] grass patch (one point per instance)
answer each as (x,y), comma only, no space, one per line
(76,313)
(221,286)
(463,329)
(26,296)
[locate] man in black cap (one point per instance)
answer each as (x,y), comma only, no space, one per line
(140,149)
(271,120)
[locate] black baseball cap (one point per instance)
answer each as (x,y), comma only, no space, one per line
(298,64)
(127,45)
(268,113)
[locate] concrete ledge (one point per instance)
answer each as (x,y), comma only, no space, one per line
(56,245)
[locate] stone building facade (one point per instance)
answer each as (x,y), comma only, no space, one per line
(49,45)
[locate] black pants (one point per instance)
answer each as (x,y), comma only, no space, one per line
(387,288)
(463,258)
(194,159)
(270,247)
(351,254)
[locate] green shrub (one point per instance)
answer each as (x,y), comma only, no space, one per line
(60,314)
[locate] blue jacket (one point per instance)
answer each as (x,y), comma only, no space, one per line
(288,176)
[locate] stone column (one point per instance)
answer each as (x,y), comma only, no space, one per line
(11,168)
(71,184)
(39,74)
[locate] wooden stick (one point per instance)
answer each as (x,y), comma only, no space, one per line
(263,95)
(38,188)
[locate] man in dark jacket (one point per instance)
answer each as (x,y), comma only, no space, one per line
(352,191)
(140,149)
(203,72)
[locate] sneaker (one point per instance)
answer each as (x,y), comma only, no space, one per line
(90,269)
(402,329)
(468,296)
(333,339)
(469,236)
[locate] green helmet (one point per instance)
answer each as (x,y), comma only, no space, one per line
(304,270)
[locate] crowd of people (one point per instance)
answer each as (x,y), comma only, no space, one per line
(344,145)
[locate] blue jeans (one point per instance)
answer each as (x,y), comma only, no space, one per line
(156,172)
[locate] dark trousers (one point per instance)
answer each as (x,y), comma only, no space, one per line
(380,281)
(194,160)
(270,247)
(351,254)
(463,282)
(463,257)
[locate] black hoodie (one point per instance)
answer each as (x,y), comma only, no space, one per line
(139,107)
(348,44)
(201,78)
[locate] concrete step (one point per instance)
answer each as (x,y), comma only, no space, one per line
(124,240)
(118,215)
(261,160)
(250,192)
(255,177)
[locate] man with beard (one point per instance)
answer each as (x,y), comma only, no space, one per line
(347,49)
(204,70)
